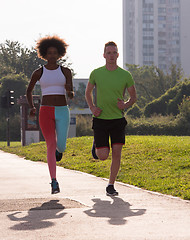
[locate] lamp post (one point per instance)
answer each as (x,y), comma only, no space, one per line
(10,103)
(7,101)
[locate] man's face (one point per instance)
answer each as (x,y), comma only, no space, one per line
(111,54)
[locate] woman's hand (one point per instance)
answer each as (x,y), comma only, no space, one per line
(32,112)
(70,94)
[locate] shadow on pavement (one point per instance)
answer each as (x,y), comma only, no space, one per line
(36,218)
(116,211)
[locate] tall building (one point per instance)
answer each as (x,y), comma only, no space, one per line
(156,32)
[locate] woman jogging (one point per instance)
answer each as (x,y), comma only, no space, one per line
(54,116)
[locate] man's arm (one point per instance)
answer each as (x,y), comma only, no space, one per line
(132,99)
(88,95)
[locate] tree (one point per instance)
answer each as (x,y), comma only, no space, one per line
(184,109)
(18,59)
(151,82)
(176,74)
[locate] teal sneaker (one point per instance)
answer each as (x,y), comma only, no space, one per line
(54,186)
(58,156)
(110,191)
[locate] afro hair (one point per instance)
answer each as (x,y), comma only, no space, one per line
(50,41)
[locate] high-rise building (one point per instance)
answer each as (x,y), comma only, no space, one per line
(156,32)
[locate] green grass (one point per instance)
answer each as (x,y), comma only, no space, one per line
(156,163)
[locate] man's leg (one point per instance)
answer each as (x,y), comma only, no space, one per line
(102,153)
(101,139)
(117,140)
(116,160)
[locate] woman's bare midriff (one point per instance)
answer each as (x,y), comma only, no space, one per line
(54,100)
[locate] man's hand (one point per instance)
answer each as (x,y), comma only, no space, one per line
(96,111)
(120,104)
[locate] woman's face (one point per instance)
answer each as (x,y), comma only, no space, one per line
(52,55)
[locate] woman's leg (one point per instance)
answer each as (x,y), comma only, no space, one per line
(62,121)
(47,125)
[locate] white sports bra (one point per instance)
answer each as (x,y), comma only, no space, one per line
(52,82)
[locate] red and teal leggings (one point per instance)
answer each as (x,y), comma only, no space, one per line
(54,123)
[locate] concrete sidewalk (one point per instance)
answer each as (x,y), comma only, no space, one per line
(82,211)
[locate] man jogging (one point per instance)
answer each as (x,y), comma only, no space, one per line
(110,82)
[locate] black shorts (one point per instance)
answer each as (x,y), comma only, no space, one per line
(103,129)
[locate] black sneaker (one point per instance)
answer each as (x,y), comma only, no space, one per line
(94,151)
(54,186)
(58,156)
(110,191)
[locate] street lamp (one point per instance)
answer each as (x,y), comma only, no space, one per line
(7,101)
(10,98)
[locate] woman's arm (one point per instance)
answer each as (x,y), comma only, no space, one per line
(35,77)
(69,82)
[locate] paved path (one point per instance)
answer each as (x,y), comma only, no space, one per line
(82,211)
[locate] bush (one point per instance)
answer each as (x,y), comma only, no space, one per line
(84,125)
(135,111)
(183,118)
(14,123)
(155,125)
(158,106)
(184,109)
(168,103)
(158,125)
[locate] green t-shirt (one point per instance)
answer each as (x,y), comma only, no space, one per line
(110,85)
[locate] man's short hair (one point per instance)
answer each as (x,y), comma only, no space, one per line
(111,43)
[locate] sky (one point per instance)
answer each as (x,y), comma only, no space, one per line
(86,25)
